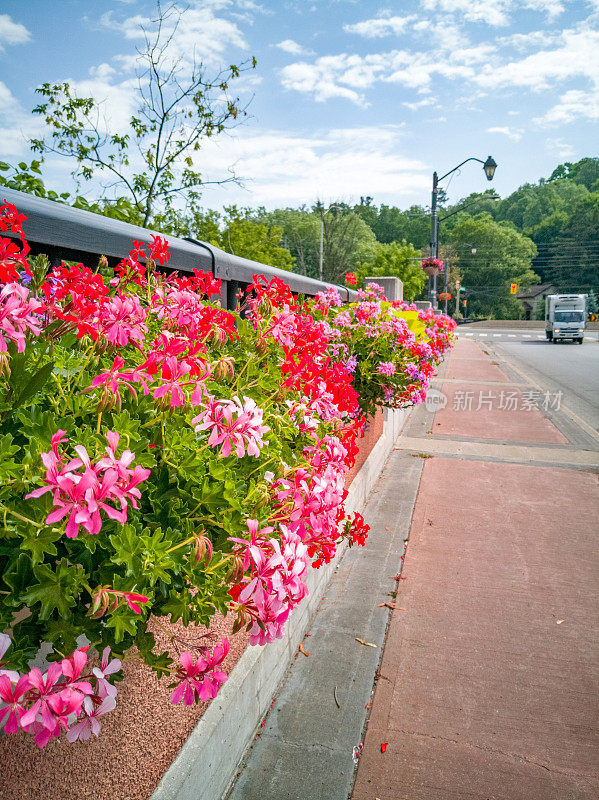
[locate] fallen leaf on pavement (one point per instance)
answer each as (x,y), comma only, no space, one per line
(384,746)
(388,529)
(559,621)
(367,705)
(366,644)
(305,652)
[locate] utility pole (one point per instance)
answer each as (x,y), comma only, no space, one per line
(432,281)
(321,244)
(489,167)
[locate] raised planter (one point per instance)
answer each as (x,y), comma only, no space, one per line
(207,763)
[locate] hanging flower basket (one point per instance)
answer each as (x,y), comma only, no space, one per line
(432,266)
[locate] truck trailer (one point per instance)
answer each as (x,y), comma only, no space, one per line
(565,317)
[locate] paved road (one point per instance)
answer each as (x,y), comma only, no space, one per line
(569,368)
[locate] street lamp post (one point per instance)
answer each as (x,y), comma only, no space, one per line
(322,213)
(489,167)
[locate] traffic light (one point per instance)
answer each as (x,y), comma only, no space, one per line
(513,288)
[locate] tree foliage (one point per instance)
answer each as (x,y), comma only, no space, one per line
(398,259)
(585,172)
(503,256)
(179,105)
(236,230)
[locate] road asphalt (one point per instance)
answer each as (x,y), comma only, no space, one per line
(487,685)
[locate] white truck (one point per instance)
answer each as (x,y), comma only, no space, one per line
(565,317)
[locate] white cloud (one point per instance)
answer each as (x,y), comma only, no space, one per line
(295,49)
(350,75)
(338,163)
(17,126)
(12,32)
(559,148)
(335,76)
(117,99)
(574,104)
(511,133)
(379,27)
(577,55)
(200,34)
(426,101)
(527,41)
(497,13)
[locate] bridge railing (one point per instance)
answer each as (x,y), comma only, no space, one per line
(64,233)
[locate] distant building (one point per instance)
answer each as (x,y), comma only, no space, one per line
(533,299)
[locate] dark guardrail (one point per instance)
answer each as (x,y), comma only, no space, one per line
(64,233)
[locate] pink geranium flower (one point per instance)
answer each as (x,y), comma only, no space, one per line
(123,320)
(172,372)
(234,425)
(12,697)
(18,312)
(200,679)
(88,724)
(81,489)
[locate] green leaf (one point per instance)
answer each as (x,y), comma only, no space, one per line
(40,543)
(56,591)
(123,621)
(18,578)
(34,384)
(9,469)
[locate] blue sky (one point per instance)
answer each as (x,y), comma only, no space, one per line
(348,99)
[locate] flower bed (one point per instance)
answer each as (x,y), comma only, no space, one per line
(165,458)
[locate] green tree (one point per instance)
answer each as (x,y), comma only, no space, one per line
(503,256)
(585,171)
(179,106)
(398,259)
(347,239)
(568,246)
(236,231)
(529,205)
(301,235)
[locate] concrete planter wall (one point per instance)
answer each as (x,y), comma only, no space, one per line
(207,763)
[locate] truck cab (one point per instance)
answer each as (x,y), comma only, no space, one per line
(565,317)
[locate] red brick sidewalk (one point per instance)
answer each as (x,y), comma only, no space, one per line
(488,684)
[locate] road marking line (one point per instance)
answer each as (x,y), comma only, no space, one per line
(512,336)
(526,336)
(540,337)
(482,334)
(468,334)
(497,334)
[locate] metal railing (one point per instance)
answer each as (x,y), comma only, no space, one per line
(64,233)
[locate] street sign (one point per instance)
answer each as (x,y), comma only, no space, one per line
(513,288)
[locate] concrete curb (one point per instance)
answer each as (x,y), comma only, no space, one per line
(206,764)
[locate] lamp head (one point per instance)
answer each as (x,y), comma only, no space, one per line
(489,167)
